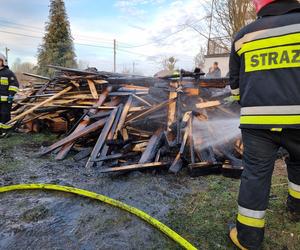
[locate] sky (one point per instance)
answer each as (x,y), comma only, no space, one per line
(146,31)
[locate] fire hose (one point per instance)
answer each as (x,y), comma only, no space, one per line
(140,214)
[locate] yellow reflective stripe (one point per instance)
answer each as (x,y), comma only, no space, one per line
(4,126)
(236,97)
(276,129)
(251,222)
(294,190)
(273,58)
(3,98)
(271,120)
(267,33)
(268,42)
(4,81)
(294,193)
(13,88)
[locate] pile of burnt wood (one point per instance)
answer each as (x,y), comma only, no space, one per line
(121,123)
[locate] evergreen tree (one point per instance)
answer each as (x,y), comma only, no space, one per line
(57,47)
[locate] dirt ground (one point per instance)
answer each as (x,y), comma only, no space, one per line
(197,208)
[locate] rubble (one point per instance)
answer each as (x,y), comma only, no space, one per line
(120,123)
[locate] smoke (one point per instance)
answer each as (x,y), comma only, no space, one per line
(213,133)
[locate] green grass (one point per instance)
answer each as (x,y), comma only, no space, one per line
(204,216)
(12,145)
(14,140)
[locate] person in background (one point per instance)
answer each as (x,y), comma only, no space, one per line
(9,86)
(214,71)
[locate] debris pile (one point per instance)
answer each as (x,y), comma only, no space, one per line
(121,123)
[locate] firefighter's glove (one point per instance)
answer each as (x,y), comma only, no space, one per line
(231,100)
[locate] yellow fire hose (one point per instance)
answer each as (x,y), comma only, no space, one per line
(152,221)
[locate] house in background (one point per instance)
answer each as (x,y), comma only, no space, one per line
(217,52)
(222,59)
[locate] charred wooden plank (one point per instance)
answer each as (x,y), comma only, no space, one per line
(142,100)
(116,156)
(177,164)
(153,109)
(123,117)
(204,168)
(111,134)
(22,115)
(37,76)
(152,147)
(83,154)
(83,124)
(101,140)
(89,129)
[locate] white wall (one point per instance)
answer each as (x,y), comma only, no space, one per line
(223,64)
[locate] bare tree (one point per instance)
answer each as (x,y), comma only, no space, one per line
(200,58)
(229,16)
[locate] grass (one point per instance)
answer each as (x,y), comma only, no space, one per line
(204,216)
(10,147)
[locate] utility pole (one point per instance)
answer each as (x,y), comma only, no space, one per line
(6,54)
(115,56)
(133,68)
(210,26)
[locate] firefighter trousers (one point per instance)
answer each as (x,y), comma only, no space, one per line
(5,109)
(260,153)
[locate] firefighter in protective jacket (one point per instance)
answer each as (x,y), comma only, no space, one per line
(9,86)
(265,79)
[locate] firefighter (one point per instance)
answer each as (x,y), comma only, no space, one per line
(9,86)
(265,79)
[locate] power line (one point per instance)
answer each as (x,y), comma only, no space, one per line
(38,29)
(129,46)
(40,37)
(186,26)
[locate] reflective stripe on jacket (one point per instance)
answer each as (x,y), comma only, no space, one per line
(265,72)
(9,84)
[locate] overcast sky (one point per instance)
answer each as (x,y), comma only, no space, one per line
(146,31)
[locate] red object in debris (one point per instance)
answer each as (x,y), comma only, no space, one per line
(259,4)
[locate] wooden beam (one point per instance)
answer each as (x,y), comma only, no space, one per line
(191,140)
(171,110)
(177,163)
(29,111)
(116,156)
(152,147)
(111,134)
(83,124)
(93,89)
(101,140)
(135,167)
(123,116)
(142,100)
(209,104)
(89,129)
(153,109)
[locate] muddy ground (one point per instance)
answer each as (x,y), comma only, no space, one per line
(197,208)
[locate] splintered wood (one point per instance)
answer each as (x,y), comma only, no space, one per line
(119,124)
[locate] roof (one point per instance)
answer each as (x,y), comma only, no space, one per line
(217,55)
